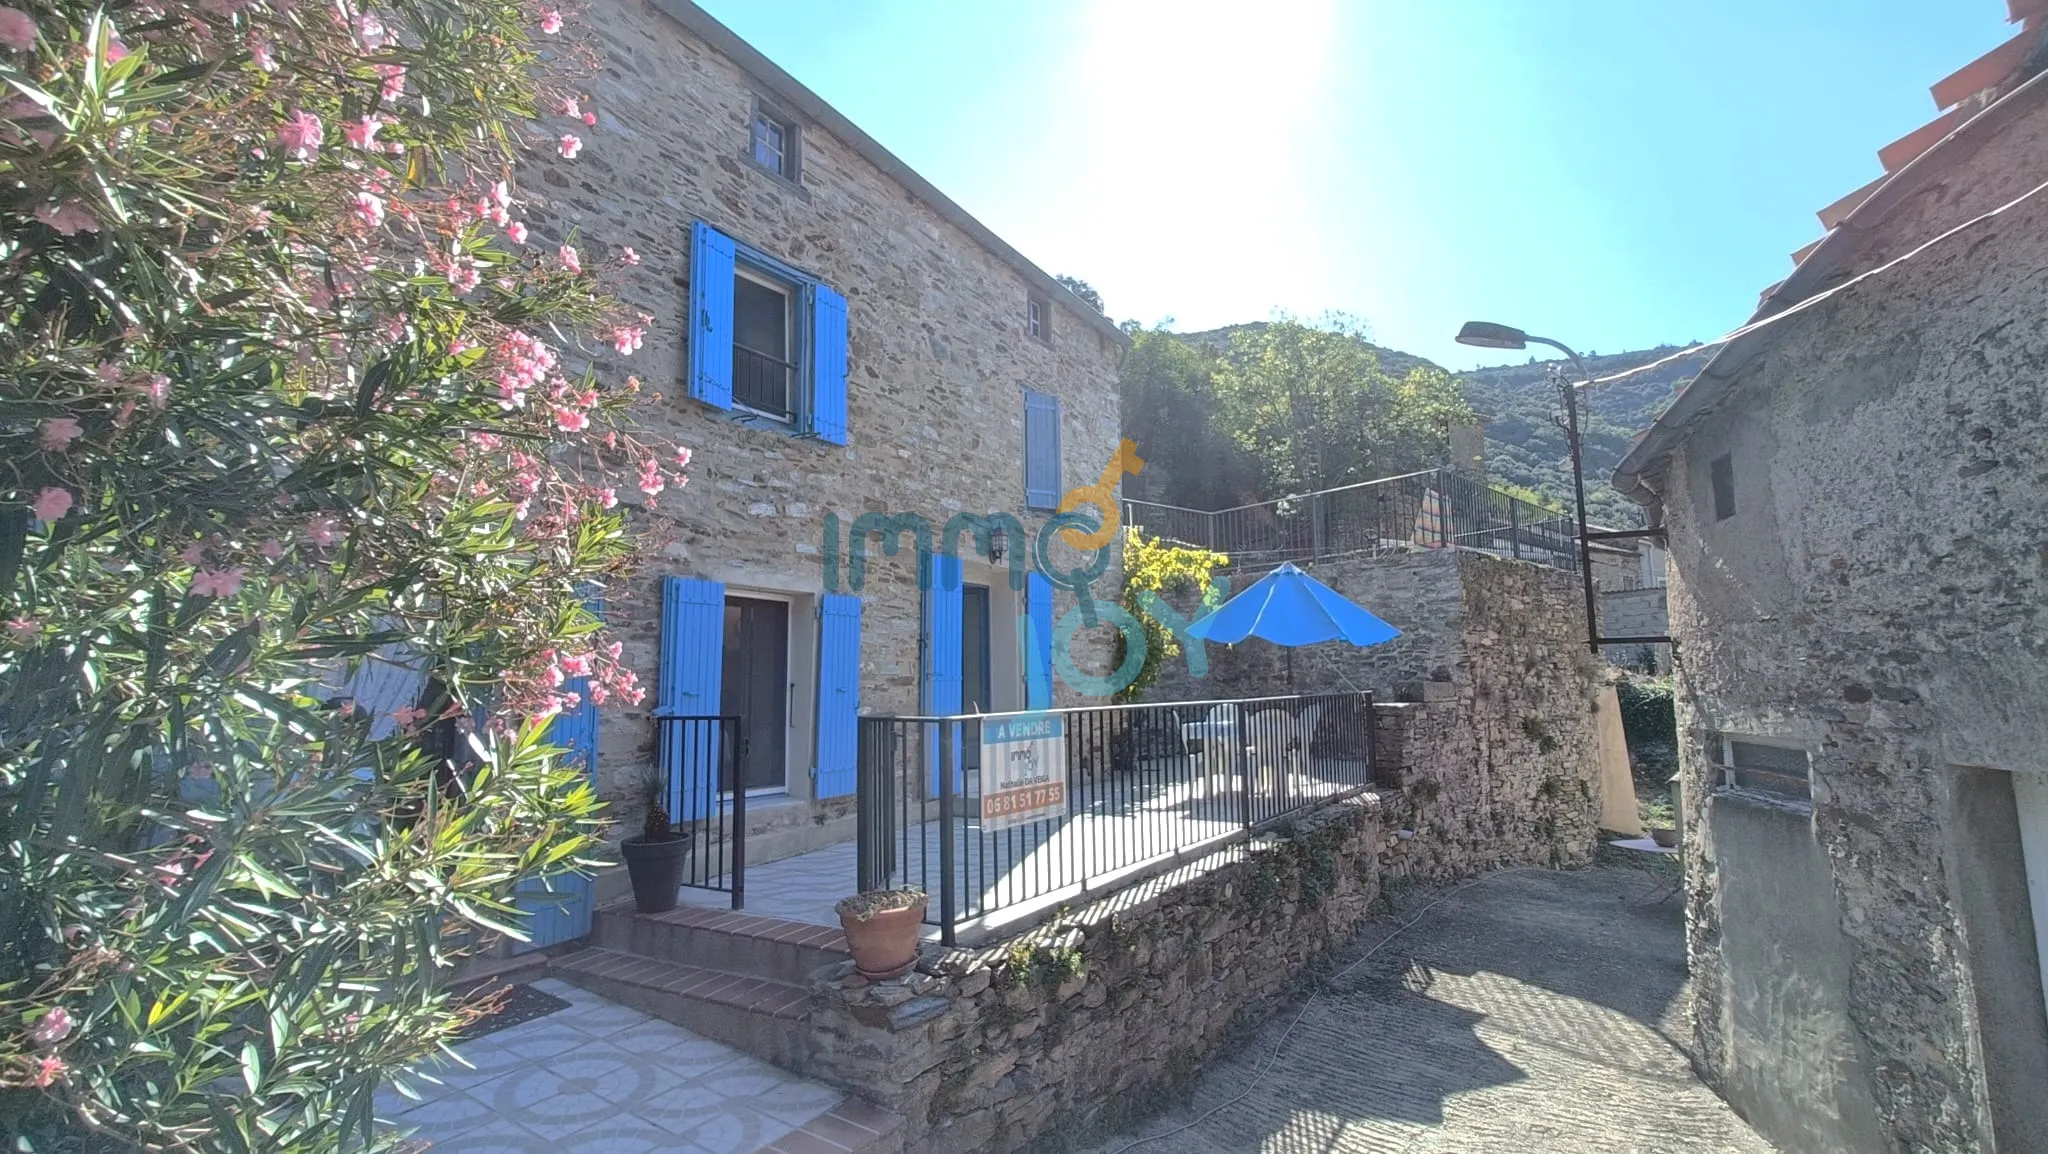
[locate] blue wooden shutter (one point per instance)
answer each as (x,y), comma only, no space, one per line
(942,678)
(838,693)
(692,665)
(712,256)
(1041,451)
(828,364)
(1037,648)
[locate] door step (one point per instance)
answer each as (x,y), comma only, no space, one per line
(767,1019)
(736,943)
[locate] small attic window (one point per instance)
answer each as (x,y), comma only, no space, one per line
(1721,474)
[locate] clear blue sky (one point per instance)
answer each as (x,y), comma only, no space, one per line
(1612,173)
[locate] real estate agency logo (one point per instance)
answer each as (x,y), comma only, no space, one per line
(1089,537)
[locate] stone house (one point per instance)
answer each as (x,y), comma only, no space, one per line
(831,336)
(1856,504)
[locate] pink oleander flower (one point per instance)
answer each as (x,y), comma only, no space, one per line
(193,554)
(590,120)
(23,629)
(59,432)
(408,716)
(570,146)
(369,208)
(323,531)
(571,108)
(272,550)
(629,256)
(114,52)
(362,132)
(501,194)
(217,582)
(550,21)
(626,339)
(650,478)
(608,497)
(516,232)
(682,457)
(301,135)
(53,1027)
(68,219)
(570,420)
(17,30)
(48,1069)
(569,259)
(157,387)
(51,505)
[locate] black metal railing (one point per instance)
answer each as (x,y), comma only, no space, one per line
(761,381)
(701,759)
(1142,784)
(1436,508)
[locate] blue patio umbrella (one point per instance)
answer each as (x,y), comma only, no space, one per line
(1288,607)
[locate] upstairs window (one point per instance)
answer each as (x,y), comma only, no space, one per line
(1038,318)
(1721,474)
(764,355)
(765,339)
(772,142)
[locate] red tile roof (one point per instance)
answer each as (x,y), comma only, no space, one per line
(1959,96)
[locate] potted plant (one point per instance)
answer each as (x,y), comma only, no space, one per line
(655,859)
(882,927)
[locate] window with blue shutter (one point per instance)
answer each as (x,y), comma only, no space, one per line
(828,365)
(712,258)
(1037,646)
(1041,450)
(838,693)
(692,666)
(941,642)
(768,342)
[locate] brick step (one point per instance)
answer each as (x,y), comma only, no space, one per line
(737,943)
(761,1017)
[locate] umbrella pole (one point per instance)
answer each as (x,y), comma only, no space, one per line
(1290,669)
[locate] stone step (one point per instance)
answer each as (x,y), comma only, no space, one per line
(761,1017)
(737,943)
(851,1127)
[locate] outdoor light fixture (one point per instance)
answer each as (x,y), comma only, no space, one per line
(1487,335)
(998,545)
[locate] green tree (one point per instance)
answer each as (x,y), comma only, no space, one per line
(284,395)
(1082,289)
(1169,406)
(1311,406)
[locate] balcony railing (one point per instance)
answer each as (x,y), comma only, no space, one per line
(1140,786)
(1434,509)
(762,382)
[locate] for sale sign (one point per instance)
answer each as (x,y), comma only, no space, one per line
(1023,770)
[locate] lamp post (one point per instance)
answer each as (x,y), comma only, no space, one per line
(1486,335)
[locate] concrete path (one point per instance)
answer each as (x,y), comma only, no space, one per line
(1527,1014)
(599,1078)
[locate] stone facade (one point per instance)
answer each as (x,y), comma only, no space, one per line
(1869,588)
(939,357)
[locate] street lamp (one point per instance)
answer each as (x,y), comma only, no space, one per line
(1486,335)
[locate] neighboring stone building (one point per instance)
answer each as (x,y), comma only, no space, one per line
(832,337)
(1856,501)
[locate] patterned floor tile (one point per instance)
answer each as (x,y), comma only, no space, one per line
(737,1130)
(796,1101)
(498,1137)
(446,1115)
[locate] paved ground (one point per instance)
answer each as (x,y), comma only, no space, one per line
(601,1078)
(1527,1014)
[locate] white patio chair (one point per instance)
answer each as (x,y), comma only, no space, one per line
(1268,734)
(1217,731)
(1305,732)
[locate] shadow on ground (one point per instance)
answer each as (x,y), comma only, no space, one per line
(1531,1011)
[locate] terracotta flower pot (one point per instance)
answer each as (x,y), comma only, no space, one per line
(884,943)
(656,868)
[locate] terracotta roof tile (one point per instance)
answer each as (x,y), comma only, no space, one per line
(1988,71)
(1908,148)
(2024,9)
(1839,211)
